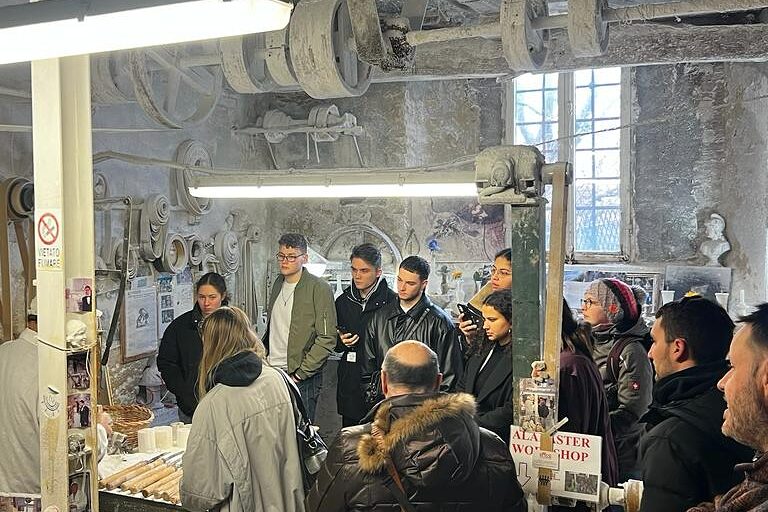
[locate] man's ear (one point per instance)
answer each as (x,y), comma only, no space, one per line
(384,383)
(681,351)
(438,381)
(378,272)
(762,378)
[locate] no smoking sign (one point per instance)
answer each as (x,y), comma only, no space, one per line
(48,251)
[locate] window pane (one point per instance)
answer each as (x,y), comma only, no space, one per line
(607,164)
(550,105)
(528,107)
(583,103)
(528,134)
(607,101)
(528,82)
(583,165)
(607,193)
(582,77)
(607,139)
(536,117)
(550,80)
(596,191)
(583,141)
(598,230)
(607,76)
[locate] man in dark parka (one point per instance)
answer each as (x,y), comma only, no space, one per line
(685,459)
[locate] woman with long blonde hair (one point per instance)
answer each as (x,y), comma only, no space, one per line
(242,453)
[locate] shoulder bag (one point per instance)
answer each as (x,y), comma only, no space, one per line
(312,448)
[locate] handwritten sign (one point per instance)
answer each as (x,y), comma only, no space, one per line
(578,463)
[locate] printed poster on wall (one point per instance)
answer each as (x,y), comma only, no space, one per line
(174,298)
(578,475)
(139,330)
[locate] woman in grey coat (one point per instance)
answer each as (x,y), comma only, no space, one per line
(242,453)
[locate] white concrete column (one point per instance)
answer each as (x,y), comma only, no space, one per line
(61,128)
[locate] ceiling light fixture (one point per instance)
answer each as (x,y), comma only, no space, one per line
(308,184)
(62,28)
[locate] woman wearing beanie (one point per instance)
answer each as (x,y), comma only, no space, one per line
(613,310)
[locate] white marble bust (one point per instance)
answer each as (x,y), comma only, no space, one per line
(716,244)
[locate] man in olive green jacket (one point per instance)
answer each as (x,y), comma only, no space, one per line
(301,332)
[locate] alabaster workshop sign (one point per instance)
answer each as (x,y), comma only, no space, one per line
(576,463)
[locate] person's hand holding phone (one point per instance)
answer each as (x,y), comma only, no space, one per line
(347,338)
(467,327)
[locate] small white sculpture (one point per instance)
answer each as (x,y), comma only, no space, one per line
(76,334)
(716,244)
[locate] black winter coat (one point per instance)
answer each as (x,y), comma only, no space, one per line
(178,358)
(354,314)
(424,322)
(684,456)
(445,460)
(494,396)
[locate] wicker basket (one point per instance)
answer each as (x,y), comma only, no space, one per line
(129,419)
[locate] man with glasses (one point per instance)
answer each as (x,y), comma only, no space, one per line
(301,329)
(367,293)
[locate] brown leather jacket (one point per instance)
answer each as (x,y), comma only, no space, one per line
(445,460)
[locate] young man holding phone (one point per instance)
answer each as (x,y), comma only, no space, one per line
(354,309)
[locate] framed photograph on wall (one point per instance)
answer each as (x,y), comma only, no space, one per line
(139,324)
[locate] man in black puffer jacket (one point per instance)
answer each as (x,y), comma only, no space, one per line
(444,460)
(413,317)
(355,307)
(684,457)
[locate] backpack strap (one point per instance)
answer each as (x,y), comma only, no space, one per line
(613,362)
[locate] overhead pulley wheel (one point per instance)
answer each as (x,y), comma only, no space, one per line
(278,57)
(243,60)
(172,93)
(587,29)
(525,48)
(322,50)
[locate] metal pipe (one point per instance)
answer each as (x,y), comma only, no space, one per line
(440,35)
(646,12)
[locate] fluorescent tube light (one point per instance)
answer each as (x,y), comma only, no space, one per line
(194,20)
(329,191)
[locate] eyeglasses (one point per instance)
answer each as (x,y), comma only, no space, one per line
(587,303)
(290,258)
(502,272)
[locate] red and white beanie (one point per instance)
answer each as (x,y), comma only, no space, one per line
(617,300)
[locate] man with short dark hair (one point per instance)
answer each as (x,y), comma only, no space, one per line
(431,441)
(684,457)
(413,316)
(300,333)
(367,293)
(746,418)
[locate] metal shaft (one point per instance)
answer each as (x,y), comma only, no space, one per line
(647,12)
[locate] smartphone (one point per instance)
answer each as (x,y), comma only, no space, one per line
(343,330)
(471,313)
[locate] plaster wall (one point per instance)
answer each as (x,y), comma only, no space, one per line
(700,147)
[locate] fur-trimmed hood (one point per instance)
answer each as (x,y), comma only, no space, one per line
(431,438)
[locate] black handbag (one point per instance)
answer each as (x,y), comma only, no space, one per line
(312,449)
